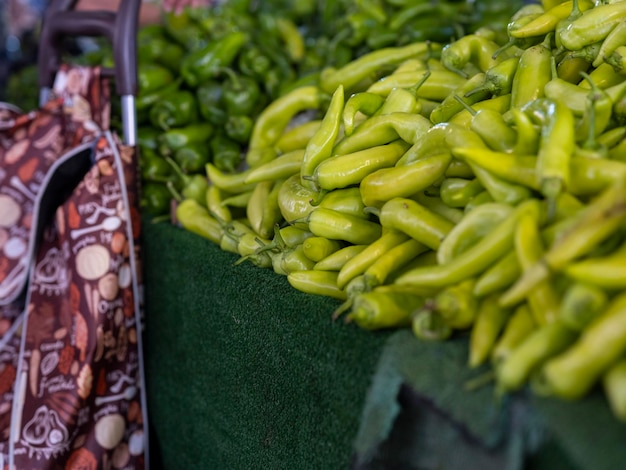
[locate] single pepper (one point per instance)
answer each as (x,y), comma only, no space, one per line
(581,304)
(155,198)
(214,199)
(345,200)
(457,305)
(378,310)
(320,147)
(499,276)
(616,38)
(380,130)
(410,217)
(341,171)
(273,120)
(153,167)
(473,49)
(317,283)
(336,260)
(319,248)
(145,100)
(226,153)
(489,323)
(436,205)
(534,70)
(253,62)
(194,186)
(195,218)
(518,328)
(345,227)
(176,110)
(367,65)
(363,103)
(297,137)
(262,210)
(281,167)
(457,192)
(543,299)
(205,63)
(606,272)
(239,128)
(613,382)
(174,139)
(151,77)
(193,157)
(435,84)
(403,181)
(210,99)
(392,261)
(241,93)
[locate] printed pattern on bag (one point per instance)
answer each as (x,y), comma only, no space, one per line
(81,400)
(71,367)
(29,145)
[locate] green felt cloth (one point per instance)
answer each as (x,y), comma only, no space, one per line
(419,415)
(243,371)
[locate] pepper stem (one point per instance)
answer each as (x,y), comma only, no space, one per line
(315,201)
(232,76)
(471,110)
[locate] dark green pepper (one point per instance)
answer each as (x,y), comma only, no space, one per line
(176,110)
(175,139)
(240,93)
(145,100)
(194,186)
(148,137)
(153,167)
(227,154)
(193,157)
(253,62)
(239,128)
(206,62)
(210,97)
(151,77)
(155,198)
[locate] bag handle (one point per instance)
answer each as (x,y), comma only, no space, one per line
(120,28)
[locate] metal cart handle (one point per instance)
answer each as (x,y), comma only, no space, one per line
(120,28)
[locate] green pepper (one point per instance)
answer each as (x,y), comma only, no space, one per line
(210,96)
(175,139)
(151,77)
(176,110)
(226,153)
(181,28)
(239,128)
(153,167)
(193,186)
(145,101)
(155,198)
(253,62)
(206,62)
(193,157)
(240,93)
(171,55)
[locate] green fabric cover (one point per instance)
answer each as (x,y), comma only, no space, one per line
(419,391)
(243,371)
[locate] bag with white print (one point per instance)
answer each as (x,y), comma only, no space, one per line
(72,390)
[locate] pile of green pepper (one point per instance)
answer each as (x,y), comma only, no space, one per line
(206,74)
(476,186)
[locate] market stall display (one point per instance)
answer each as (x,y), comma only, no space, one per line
(445,177)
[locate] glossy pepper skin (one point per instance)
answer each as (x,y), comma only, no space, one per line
(207,62)
(226,153)
(210,100)
(241,93)
(176,110)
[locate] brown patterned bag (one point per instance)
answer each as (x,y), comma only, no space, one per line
(72,390)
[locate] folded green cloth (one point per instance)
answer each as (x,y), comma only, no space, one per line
(418,414)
